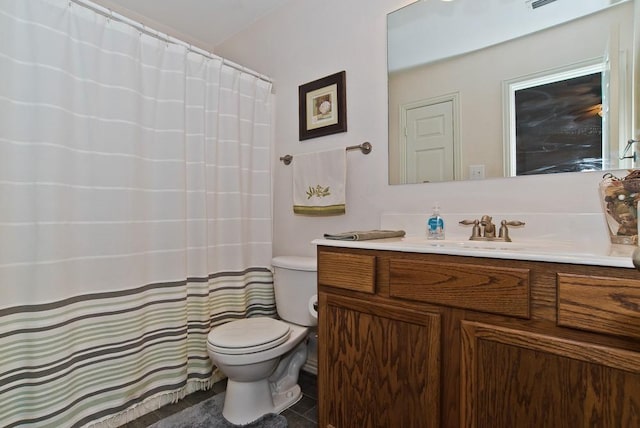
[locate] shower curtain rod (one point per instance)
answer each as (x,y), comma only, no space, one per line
(109,14)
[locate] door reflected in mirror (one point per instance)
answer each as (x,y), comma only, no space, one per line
(451,118)
(431,149)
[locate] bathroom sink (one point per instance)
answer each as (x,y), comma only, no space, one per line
(479,245)
(520,246)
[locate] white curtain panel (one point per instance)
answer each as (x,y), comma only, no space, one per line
(135,214)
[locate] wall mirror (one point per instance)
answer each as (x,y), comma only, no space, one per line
(473,84)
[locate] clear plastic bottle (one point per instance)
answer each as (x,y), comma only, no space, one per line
(435,224)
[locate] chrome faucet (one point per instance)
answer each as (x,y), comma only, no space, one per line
(485,230)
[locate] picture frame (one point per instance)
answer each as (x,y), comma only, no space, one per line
(322,106)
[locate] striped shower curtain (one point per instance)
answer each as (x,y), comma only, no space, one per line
(135,214)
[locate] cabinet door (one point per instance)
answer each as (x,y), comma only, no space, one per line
(379,365)
(514,378)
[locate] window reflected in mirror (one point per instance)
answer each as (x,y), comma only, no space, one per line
(556,122)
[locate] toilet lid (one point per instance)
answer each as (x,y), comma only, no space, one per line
(248,335)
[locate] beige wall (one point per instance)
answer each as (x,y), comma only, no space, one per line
(477,79)
(308,40)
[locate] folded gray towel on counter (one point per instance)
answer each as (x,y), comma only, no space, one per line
(365,235)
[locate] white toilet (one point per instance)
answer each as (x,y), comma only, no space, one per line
(261,356)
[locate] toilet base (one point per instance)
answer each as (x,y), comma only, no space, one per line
(244,402)
(285,390)
(285,399)
(247,401)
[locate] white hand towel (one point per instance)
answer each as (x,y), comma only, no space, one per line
(319,181)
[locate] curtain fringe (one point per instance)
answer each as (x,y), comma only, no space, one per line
(155,402)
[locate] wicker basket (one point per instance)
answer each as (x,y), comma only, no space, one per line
(620,205)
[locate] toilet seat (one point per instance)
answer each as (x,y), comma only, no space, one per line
(248,335)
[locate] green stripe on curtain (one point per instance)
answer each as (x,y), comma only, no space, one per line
(122,343)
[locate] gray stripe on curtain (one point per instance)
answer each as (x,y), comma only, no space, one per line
(132,345)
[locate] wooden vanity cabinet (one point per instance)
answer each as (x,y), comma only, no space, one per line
(380,366)
(379,363)
(517,378)
(425,340)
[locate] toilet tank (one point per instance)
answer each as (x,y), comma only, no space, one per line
(295,285)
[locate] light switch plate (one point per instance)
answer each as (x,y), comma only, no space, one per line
(476,172)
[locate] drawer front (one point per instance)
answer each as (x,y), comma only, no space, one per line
(599,304)
(503,291)
(356,272)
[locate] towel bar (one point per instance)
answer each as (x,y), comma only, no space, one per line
(365,148)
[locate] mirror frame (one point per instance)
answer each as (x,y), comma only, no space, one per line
(630,117)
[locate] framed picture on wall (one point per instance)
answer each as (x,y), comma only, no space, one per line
(323,106)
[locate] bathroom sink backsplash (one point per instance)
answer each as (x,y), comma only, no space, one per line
(587,229)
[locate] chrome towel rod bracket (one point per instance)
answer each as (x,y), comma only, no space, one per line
(365,148)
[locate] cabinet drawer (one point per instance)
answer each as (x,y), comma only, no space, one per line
(503,291)
(355,272)
(599,304)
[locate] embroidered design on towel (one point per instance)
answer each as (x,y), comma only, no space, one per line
(318,191)
(319,182)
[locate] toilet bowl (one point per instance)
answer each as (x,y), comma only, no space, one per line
(261,356)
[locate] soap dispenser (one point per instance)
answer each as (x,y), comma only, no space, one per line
(435,224)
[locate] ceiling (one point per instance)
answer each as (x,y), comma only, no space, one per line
(203,23)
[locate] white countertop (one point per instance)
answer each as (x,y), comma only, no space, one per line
(613,255)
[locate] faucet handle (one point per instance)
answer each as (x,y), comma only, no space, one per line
(468,222)
(504,230)
(475,232)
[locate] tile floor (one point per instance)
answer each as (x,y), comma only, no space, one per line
(303,414)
